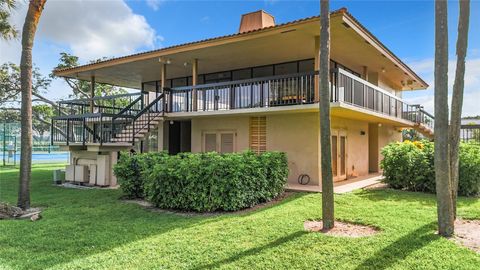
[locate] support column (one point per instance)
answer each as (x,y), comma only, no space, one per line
(92,92)
(317,69)
(163,76)
(365,73)
(194,82)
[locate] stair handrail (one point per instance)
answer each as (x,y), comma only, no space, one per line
(143,111)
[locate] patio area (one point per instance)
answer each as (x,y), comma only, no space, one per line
(344,186)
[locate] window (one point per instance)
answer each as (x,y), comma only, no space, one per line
(219,141)
(258,134)
(287,68)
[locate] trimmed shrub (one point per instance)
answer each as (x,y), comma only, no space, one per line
(203,182)
(132,170)
(409,165)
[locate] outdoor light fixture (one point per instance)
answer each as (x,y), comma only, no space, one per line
(379,124)
(383,70)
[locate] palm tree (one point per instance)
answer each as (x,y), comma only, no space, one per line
(7,31)
(324,103)
(441,159)
(457,98)
(34,12)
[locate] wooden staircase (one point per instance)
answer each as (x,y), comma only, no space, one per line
(424,130)
(139,128)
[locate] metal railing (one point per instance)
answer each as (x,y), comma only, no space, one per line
(106,104)
(123,124)
(103,127)
(291,89)
(350,89)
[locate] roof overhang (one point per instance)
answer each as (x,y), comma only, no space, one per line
(351,44)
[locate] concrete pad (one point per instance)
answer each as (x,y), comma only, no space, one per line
(341,187)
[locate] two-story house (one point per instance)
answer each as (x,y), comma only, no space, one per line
(256,89)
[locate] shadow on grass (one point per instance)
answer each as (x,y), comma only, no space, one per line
(401,248)
(253,251)
(80,223)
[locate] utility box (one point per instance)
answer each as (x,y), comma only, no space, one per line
(81,174)
(70,173)
(103,170)
(77,173)
(93,174)
(58,176)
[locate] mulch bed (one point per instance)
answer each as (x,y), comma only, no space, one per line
(342,229)
(149,206)
(467,234)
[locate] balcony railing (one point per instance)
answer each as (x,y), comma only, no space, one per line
(119,118)
(350,89)
(106,104)
(292,89)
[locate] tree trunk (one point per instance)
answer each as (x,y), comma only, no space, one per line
(442,165)
(457,98)
(34,12)
(324,103)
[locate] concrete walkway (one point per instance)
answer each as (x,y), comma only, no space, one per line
(342,186)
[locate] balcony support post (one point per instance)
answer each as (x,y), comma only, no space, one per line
(92,92)
(316,87)
(194,82)
(163,78)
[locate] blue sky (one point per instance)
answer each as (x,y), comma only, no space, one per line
(92,29)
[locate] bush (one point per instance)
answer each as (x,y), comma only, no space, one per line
(204,182)
(131,172)
(409,166)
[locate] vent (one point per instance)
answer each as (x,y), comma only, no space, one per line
(256,20)
(258,134)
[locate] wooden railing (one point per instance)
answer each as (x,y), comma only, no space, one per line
(292,89)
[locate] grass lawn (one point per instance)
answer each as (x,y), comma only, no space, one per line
(93,229)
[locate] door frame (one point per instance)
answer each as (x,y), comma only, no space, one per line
(339,133)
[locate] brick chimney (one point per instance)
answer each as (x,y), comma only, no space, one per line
(256,20)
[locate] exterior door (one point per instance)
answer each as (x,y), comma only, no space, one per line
(339,155)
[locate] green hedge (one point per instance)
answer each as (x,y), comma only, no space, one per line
(409,166)
(203,182)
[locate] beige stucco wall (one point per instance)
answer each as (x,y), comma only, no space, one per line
(386,135)
(239,124)
(357,144)
(298,136)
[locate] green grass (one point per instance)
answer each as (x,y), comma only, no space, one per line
(93,229)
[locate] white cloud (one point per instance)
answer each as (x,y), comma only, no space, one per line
(471,91)
(89,29)
(154,4)
(94,29)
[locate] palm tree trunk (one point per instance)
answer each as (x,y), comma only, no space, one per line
(457,98)
(324,103)
(34,12)
(442,165)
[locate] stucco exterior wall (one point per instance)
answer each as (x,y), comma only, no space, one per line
(357,144)
(298,136)
(239,124)
(386,135)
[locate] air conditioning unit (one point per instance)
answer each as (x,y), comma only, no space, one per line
(77,173)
